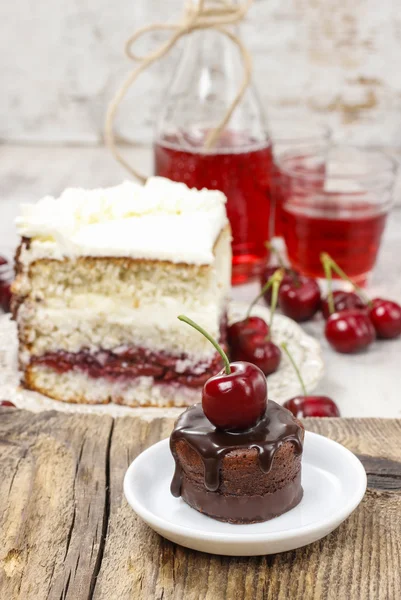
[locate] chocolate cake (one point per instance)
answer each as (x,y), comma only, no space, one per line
(238,477)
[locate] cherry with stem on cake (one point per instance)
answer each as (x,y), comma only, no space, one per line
(258,348)
(235,399)
(306,405)
(349,330)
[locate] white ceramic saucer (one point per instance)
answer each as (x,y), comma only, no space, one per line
(334,483)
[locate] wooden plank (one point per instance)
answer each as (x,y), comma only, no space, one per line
(359,561)
(130,567)
(53,492)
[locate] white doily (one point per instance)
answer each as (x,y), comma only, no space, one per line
(282,385)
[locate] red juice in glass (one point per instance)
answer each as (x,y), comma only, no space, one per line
(281,185)
(353,240)
(239,167)
(339,208)
(294,138)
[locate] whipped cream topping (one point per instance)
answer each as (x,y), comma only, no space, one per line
(161,220)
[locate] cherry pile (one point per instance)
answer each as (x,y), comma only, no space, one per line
(353,320)
(6,278)
(250,339)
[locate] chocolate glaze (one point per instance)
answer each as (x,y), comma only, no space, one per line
(276,427)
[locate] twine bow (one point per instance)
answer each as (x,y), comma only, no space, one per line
(216,15)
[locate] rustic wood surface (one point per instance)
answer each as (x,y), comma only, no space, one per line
(68,533)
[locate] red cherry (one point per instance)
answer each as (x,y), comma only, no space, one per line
(256,349)
(312,406)
(342,301)
(238,400)
(246,326)
(300,299)
(349,331)
(6,277)
(288,275)
(386,318)
(7,403)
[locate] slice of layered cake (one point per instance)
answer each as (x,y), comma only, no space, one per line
(101,278)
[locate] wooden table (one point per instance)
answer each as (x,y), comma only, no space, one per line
(68,533)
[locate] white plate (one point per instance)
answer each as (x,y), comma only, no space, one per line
(334,483)
(282,385)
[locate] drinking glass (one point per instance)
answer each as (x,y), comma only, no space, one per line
(336,202)
(297,137)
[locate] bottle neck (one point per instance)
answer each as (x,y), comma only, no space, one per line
(206,83)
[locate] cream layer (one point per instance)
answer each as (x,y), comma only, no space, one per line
(161,220)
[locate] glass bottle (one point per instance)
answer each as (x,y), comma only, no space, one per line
(204,85)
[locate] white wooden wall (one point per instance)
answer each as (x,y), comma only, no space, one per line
(61,61)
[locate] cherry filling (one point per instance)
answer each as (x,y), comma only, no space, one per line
(131,363)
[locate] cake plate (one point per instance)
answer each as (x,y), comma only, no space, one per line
(281,385)
(334,483)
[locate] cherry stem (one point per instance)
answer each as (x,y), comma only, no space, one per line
(324,257)
(211,340)
(276,279)
(276,253)
(297,371)
(264,289)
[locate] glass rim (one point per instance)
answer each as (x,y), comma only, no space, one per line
(322,128)
(371,178)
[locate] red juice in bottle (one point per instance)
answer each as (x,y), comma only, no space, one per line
(352,240)
(240,168)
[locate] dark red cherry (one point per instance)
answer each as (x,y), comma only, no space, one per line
(386,318)
(246,326)
(312,406)
(300,298)
(7,403)
(268,273)
(6,277)
(342,301)
(237,400)
(256,349)
(349,331)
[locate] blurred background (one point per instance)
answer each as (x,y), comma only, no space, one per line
(333,59)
